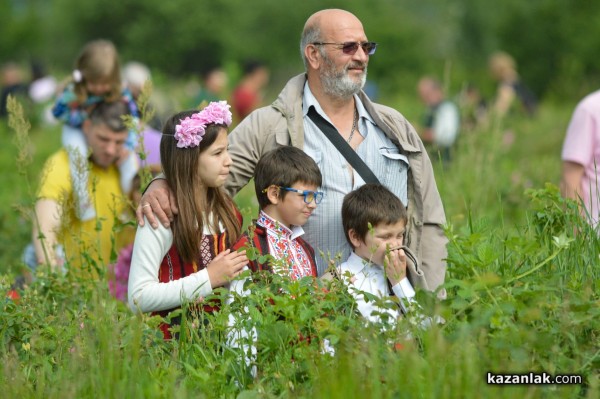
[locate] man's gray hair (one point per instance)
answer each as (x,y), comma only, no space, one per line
(310,35)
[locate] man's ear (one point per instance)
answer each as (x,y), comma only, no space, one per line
(313,57)
(273,194)
(355,239)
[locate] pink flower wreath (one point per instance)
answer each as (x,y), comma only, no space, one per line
(190,130)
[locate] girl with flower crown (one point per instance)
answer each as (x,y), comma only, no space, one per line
(96,78)
(189,260)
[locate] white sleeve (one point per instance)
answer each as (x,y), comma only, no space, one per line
(446,124)
(146,293)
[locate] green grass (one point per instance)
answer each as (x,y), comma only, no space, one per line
(19,184)
(523,296)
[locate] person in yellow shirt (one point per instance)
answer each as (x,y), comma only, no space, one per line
(60,239)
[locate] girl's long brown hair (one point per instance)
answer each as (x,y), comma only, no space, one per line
(194,200)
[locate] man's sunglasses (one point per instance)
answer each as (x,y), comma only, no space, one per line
(309,196)
(351,47)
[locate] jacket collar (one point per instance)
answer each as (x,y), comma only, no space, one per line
(289,104)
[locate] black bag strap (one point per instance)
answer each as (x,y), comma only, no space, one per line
(264,250)
(343,147)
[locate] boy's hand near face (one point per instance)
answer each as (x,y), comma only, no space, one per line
(394,263)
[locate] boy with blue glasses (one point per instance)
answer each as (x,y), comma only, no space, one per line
(286,181)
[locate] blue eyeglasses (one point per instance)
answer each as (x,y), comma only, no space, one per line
(309,196)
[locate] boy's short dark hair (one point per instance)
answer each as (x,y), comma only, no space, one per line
(371,203)
(284,166)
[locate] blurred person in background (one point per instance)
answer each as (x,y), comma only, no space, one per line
(247,96)
(135,75)
(42,90)
(13,83)
(473,107)
(511,89)
(581,158)
(213,83)
(441,123)
(43,86)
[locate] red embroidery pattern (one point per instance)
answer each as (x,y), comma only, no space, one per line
(284,247)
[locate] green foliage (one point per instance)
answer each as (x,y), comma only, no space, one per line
(511,308)
(533,294)
(21,166)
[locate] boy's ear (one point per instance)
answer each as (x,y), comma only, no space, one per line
(355,239)
(273,194)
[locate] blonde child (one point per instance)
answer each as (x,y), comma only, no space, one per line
(190,259)
(96,78)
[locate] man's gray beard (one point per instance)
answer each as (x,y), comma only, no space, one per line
(339,84)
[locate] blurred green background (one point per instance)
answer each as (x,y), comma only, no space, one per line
(555,42)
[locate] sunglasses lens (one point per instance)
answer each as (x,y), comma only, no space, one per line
(350,48)
(369,47)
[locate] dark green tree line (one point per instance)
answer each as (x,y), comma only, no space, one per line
(555,42)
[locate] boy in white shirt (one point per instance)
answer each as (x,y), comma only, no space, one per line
(374,222)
